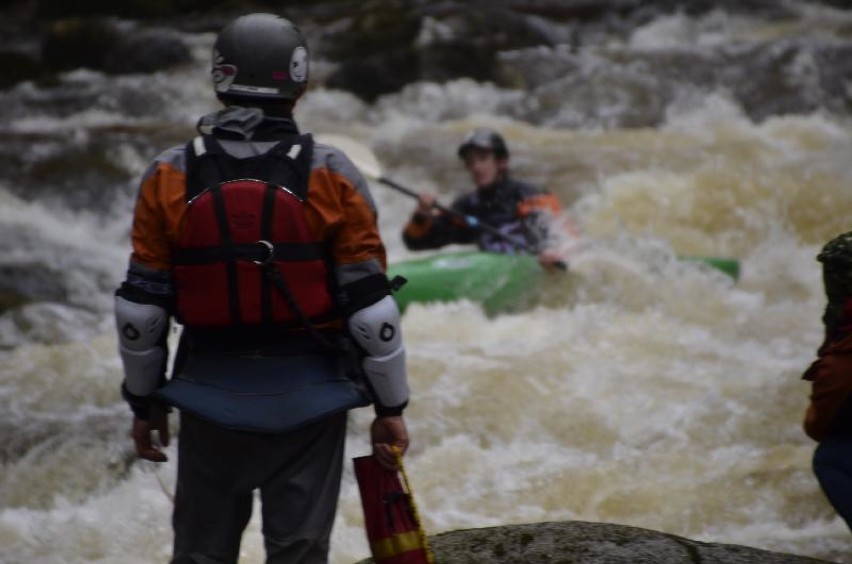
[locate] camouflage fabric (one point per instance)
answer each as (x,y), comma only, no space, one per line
(836,259)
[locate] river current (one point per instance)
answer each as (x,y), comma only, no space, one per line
(638,390)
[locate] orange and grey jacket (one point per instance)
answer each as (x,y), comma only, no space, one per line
(339,211)
(330,252)
(520,210)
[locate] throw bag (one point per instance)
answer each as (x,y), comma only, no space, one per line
(389,516)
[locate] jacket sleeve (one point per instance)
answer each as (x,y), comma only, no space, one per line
(343,213)
(536,211)
(423,232)
(159,210)
(831,385)
(144,301)
(342,198)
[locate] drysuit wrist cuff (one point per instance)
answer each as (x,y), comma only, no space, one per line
(421,218)
(383,411)
(139,405)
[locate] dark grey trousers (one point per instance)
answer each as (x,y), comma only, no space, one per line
(297,473)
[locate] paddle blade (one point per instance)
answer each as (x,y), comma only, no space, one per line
(361,155)
(391,526)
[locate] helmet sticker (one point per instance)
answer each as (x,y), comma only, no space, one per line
(299,64)
(223,73)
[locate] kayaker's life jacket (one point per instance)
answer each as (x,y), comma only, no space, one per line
(239,229)
(519,210)
(515,209)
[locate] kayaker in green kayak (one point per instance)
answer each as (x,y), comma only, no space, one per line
(518,214)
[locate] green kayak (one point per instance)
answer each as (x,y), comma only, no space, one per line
(729,266)
(499,282)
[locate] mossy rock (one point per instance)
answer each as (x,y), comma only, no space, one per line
(577,542)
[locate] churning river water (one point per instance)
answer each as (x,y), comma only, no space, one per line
(638,390)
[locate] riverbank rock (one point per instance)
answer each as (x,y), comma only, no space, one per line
(25,282)
(579,63)
(112,46)
(577,542)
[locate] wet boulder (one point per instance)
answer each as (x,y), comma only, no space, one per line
(79,43)
(374,49)
(111,46)
(579,542)
(125,8)
(389,44)
(148,50)
(25,282)
(17,67)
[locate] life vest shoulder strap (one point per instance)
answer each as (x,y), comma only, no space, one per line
(287,164)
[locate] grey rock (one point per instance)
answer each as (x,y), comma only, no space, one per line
(111,46)
(25,282)
(578,542)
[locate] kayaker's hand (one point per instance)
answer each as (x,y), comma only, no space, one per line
(143,432)
(386,433)
(426,204)
(552,261)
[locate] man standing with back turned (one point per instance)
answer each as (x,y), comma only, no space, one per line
(264,245)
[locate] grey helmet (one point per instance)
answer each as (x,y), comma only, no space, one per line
(487,139)
(260,57)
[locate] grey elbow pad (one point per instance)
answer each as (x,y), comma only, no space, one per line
(141,343)
(376,328)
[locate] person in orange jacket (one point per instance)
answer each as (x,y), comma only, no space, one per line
(264,245)
(828,419)
(520,211)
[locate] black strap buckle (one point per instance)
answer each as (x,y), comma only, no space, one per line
(270,251)
(397,282)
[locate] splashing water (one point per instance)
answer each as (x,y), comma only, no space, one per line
(639,390)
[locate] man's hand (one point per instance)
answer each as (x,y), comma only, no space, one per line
(386,433)
(142,433)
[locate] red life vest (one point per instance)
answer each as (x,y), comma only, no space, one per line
(238,227)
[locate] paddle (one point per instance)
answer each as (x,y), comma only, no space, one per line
(369,165)
(367,162)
